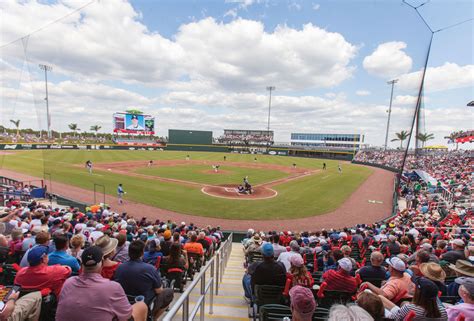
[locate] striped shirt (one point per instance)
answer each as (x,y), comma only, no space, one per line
(340,281)
(401,313)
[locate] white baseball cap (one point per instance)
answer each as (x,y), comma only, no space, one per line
(345,264)
(396,263)
(458,242)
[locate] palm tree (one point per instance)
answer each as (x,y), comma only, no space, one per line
(96,128)
(74,128)
(423,138)
(17,125)
(401,136)
(452,137)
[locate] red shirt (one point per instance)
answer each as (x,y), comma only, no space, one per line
(42,276)
(340,281)
(109,271)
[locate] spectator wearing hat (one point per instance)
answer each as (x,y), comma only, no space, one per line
(285,257)
(341,279)
(456,254)
(427,248)
(16,241)
(192,246)
(121,252)
(298,274)
(108,246)
(153,252)
(97,297)
(266,272)
(42,238)
(434,272)
(166,243)
(462,268)
(139,278)
(38,275)
(375,270)
(60,256)
(466,292)
(253,245)
(399,284)
(302,303)
(425,303)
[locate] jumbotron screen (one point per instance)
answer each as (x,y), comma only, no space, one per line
(134,124)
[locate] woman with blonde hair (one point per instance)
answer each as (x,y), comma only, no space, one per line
(76,244)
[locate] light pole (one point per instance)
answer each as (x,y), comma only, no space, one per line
(391,82)
(270,89)
(47,68)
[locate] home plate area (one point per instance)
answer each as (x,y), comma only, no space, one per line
(231,192)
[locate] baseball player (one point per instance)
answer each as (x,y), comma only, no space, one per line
(324,166)
(339,168)
(89,166)
(150,163)
(120,193)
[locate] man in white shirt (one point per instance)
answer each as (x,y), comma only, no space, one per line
(285,257)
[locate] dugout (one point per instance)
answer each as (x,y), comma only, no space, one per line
(189,137)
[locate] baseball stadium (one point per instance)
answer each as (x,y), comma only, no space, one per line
(238,160)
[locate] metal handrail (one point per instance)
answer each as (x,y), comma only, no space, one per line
(216,265)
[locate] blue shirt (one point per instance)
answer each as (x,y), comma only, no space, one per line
(62,258)
(138,278)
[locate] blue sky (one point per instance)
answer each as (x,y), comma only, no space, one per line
(205,64)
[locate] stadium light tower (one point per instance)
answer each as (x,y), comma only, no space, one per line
(47,68)
(270,89)
(391,82)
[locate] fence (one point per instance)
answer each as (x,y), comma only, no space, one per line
(216,266)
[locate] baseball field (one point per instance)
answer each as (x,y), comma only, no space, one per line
(284,187)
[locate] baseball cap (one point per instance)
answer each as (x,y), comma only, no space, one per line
(36,254)
(467,282)
(428,288)
(267,250)
(302,301)
(396,263)
(167,234)
(296,260)
(458,242)
(345,264)
(92,256)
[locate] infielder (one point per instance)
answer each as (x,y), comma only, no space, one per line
(89,166)
(120,193)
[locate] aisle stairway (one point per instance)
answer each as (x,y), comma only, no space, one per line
(229,304)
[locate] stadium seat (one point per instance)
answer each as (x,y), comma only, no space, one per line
(266,294)
(270,312)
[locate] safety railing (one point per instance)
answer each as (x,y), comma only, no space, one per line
(216,265)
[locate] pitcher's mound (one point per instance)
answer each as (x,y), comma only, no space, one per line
(231,192)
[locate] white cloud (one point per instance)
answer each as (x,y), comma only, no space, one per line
(239,55)
(388,60)
(316,6)
(407,100)
(444,77)
(294,6)
(362,93)
(231,13)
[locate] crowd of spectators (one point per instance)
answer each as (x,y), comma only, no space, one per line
(245,139)
(96,264)
(417,264)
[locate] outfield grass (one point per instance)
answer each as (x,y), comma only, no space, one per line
(308,196)
(203,174)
